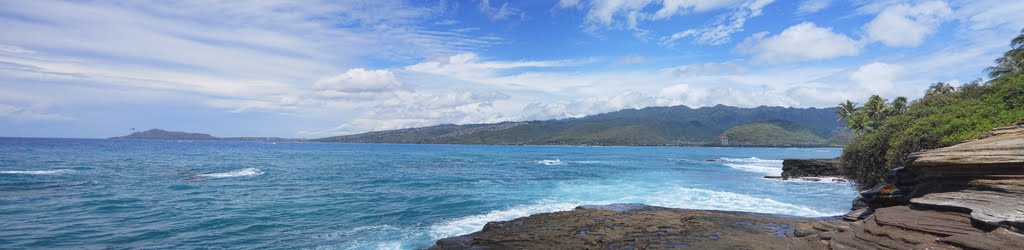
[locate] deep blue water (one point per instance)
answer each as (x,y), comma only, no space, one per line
(82,193)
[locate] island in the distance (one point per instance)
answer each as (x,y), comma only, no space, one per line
(160,134)
(654,126)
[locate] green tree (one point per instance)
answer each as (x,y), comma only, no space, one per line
(939,88)
(1012,62)
(876,107)
(845,110)
(1009,64)
(899,106)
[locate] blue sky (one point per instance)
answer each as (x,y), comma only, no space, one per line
(319,68)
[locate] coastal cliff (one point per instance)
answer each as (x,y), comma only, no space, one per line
(966,196)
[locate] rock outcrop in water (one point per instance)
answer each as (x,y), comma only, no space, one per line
(634,226)
(967,196)
(796,168)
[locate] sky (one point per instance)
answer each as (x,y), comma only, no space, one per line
(309,69)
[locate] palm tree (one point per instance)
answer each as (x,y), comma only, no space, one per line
(876,107)
(1012,62)
(846,110)
(939,88)
(1009,64)
(899,106)
(858,123)
(1018,41)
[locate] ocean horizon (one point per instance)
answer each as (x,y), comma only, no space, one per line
(97,193)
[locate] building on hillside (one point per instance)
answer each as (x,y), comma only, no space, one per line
(724,140)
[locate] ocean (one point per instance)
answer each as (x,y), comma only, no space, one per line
(94,193)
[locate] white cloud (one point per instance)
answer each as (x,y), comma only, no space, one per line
(568,3)
(500,13)
(630,14)
(876,77)
(812,6)
(670,8)
(226,52)
(905,25)
(720,32)
(410,109)
(29,114)
(801,42)
(628,99)
(728,68)
(989,14)
(471,68)
(359,80)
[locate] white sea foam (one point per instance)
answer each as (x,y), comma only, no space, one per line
(474,223)
(237,173)
(693,198)
(689,198)
(36,172)
(835,180)
(551,162)
(754,164)
(750,160)
(768,170)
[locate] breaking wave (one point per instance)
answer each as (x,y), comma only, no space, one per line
(36,172)
(554,162)
(754,164)
(237,173)
(688,198)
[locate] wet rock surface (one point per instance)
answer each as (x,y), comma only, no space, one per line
(633,226)
(795,168)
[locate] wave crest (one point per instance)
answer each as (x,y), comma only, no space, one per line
(680,197)
(554,162)
(36,172)
(237,173)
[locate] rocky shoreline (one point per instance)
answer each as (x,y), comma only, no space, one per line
(967,196)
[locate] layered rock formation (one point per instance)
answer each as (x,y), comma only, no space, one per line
(796,168)
(969,195)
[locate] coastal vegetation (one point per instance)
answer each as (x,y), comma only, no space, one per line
(888,132)
(769,134)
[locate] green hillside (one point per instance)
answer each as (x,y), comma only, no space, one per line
(678,125)
(768,134)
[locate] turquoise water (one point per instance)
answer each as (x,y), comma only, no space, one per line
(60,193)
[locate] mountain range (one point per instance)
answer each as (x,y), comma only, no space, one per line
(661,126)
(677,125)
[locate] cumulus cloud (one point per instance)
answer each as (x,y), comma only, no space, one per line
(876,77)
(812,6)
(411,109)
(359,80)
(802,42)
(628,99)
(905,25)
